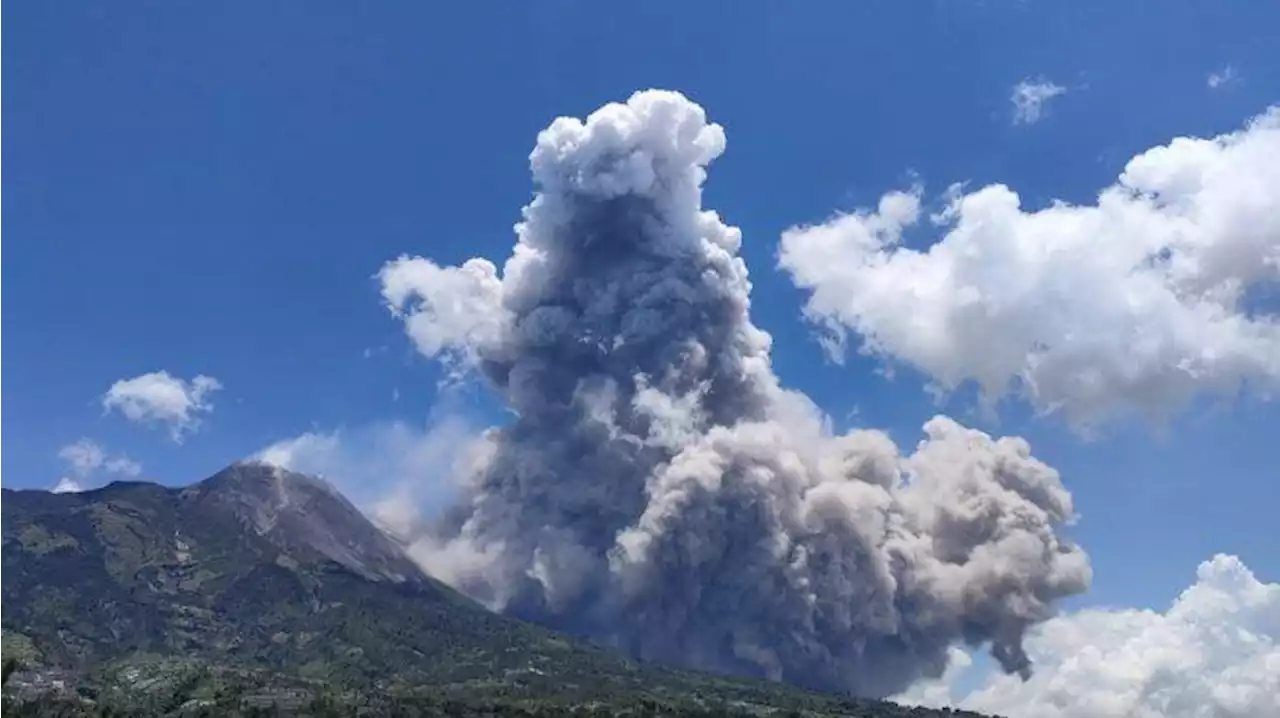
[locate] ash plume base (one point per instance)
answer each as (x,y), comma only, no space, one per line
(659,490)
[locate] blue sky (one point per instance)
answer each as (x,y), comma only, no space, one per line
(211,190)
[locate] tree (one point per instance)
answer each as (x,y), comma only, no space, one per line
(8,668)
(325,705)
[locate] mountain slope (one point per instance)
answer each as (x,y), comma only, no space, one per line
(278,571)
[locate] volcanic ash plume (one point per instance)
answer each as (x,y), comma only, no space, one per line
(657,490)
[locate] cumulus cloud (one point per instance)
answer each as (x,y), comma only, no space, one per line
(1214,652)
(1030,99)
(1135,303)
(86,458)
(447,311)
(160,398)
(659,491)
(400,474)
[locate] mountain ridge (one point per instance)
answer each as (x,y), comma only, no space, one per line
(258,568)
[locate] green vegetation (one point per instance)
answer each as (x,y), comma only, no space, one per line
(192,689)
(228,598)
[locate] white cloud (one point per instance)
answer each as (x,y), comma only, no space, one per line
(1138,302)
(447,311)
(1030,98)
(86,457)
(67,485)
(310,453)
(1225,76)
(123,465)
(83,456)
(399,474)
(939,692)
(1214,652)
(158,397)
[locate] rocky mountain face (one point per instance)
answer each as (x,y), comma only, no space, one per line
(304,517)
(254,564)
(261,569)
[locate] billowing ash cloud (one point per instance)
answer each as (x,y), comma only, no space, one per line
(659,491)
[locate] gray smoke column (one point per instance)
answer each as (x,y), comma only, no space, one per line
(659,491)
